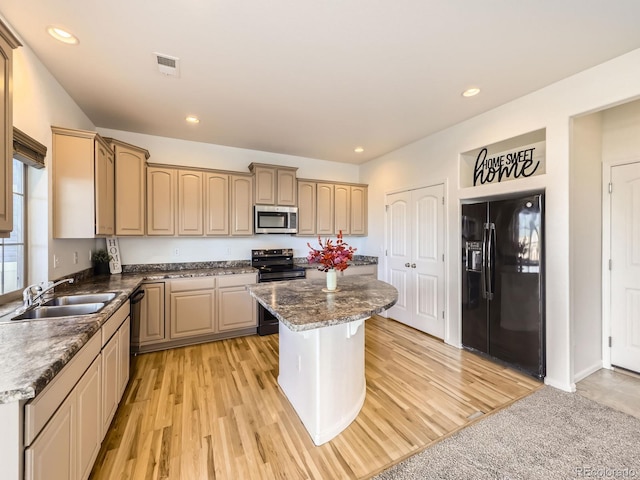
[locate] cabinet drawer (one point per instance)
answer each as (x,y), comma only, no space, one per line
(113,324)
(189,284)
(360,270)
(236,280)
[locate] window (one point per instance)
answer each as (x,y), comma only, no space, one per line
(13,249)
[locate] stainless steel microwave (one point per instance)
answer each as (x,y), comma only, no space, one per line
(269,219)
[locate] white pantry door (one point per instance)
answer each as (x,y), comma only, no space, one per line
(625,266)
(416,257)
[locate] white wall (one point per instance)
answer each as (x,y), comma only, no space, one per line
(38,103)
(586,244)
(434,159)
(192,249)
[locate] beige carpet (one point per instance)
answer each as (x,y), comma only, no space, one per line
(547,435)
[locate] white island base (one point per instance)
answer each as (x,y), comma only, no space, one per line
(322,375)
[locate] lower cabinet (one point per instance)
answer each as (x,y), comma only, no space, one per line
(66,423)
(186,311)
(236,308)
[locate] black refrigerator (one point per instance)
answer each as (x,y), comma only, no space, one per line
(503,280)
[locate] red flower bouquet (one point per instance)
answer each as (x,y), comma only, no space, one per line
(331,255)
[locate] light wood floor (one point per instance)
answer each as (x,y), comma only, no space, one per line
(214,411)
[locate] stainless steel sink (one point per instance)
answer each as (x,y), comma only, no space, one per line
(80,299)
(61,311)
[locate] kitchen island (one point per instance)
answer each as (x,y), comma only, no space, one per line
(321,346)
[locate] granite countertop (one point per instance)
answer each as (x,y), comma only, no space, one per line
(303,305)
(35,351)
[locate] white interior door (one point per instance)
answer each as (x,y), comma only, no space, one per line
(428,260)
(415,257)
(399,254)
(625,266)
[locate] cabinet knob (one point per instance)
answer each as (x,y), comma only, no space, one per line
(407,265)
(413,265)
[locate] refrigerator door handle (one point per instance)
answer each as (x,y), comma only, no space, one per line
(483,273)
(491,247)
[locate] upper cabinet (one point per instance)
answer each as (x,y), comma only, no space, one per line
(130,186)
(274,185)
(83,184)
(161,200)
(7,43)
(327,208)
(241,204)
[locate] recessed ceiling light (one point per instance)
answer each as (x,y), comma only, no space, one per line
(471,92)
(62,35)
(358,149)
(192,119)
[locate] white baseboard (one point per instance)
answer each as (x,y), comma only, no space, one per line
(586,372)
(566,387)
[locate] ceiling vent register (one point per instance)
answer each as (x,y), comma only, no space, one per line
(168,65)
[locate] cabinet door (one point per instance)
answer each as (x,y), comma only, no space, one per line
(359,210)
(104,189)
(89,431)
(236,309)
(161,201)
(241,205)
(7,43)
(286,188)
(366,270)
(52,455)
(192,313)
(150,328)
(216,204)
(130,185)
(326,210)
(190,202)
(124,352)
(306,208)
(342,219)
(110,387)
(265,185)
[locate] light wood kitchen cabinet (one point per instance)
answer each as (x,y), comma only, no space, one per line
(359,210)
(216,203)
(83,185)
(274,185)
(110,397)
(150,326)
(7,43)
(241,204)
(192,309)
(342,217)
(190,202)
(326,209)
(236,308)
(88,427)
(130,187)
(367,270)
(306,207)
(52,455)
(161,200)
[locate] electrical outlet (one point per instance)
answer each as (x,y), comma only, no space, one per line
(228,252)
(176,252)
(56,261)
(75,258)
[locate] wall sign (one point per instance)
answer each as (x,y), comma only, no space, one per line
(517,158)
(114,250)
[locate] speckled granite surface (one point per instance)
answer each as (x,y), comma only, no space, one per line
(34,351)
(302,305)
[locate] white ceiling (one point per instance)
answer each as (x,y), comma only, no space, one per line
(315,78)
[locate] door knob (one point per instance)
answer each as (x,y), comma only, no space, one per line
(413,265)
(407,265)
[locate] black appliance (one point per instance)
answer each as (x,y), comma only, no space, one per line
(274,265)
(503,281)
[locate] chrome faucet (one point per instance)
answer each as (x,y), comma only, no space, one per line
(32,295)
